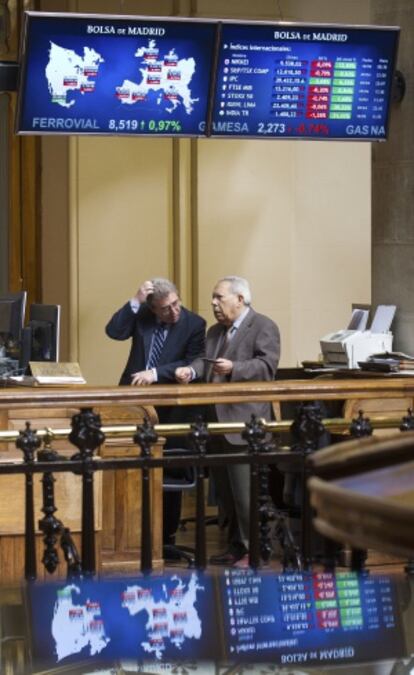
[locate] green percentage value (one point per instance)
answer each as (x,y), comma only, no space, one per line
(164,126)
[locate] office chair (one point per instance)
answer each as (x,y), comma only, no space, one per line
(178,480)
(216,519)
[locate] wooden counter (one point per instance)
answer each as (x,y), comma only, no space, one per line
(323,388)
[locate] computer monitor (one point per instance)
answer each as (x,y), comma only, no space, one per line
(12,311)
(44,322)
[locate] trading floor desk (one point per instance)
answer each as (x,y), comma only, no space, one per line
(374,401)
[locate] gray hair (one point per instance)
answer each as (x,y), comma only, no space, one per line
(162,288)
(239,286)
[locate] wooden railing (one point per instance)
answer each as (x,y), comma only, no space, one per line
(194,394)
(384,389)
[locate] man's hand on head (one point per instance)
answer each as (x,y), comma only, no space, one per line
(142,377)
(144,290)
(183,375)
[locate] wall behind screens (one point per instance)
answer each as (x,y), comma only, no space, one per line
(155,76)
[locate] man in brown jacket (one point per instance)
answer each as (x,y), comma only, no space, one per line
(242,346)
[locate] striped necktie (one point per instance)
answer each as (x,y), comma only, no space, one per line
(158,341)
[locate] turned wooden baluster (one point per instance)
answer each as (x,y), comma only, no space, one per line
(198,438)
(255,435)
(87,436)
(306,431)
(145,437)
(28,442)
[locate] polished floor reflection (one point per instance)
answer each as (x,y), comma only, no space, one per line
(216,543)
(237,621)
(226,621)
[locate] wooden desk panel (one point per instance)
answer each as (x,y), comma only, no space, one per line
(121,535)
(117,514)
(68,501)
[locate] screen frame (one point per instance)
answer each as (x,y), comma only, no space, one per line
(23,61)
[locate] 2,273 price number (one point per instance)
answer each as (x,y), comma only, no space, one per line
(271,128)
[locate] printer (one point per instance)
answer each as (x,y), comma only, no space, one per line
(345,348)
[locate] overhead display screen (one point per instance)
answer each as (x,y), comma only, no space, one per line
(115,75)
(304,81)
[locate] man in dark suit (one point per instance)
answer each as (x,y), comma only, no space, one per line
(165,336)
(242,346)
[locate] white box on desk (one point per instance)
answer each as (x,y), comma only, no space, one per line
(345,348)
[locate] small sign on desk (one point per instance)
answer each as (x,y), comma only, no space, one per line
(50,373)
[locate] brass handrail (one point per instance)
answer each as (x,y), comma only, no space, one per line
(335,425)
